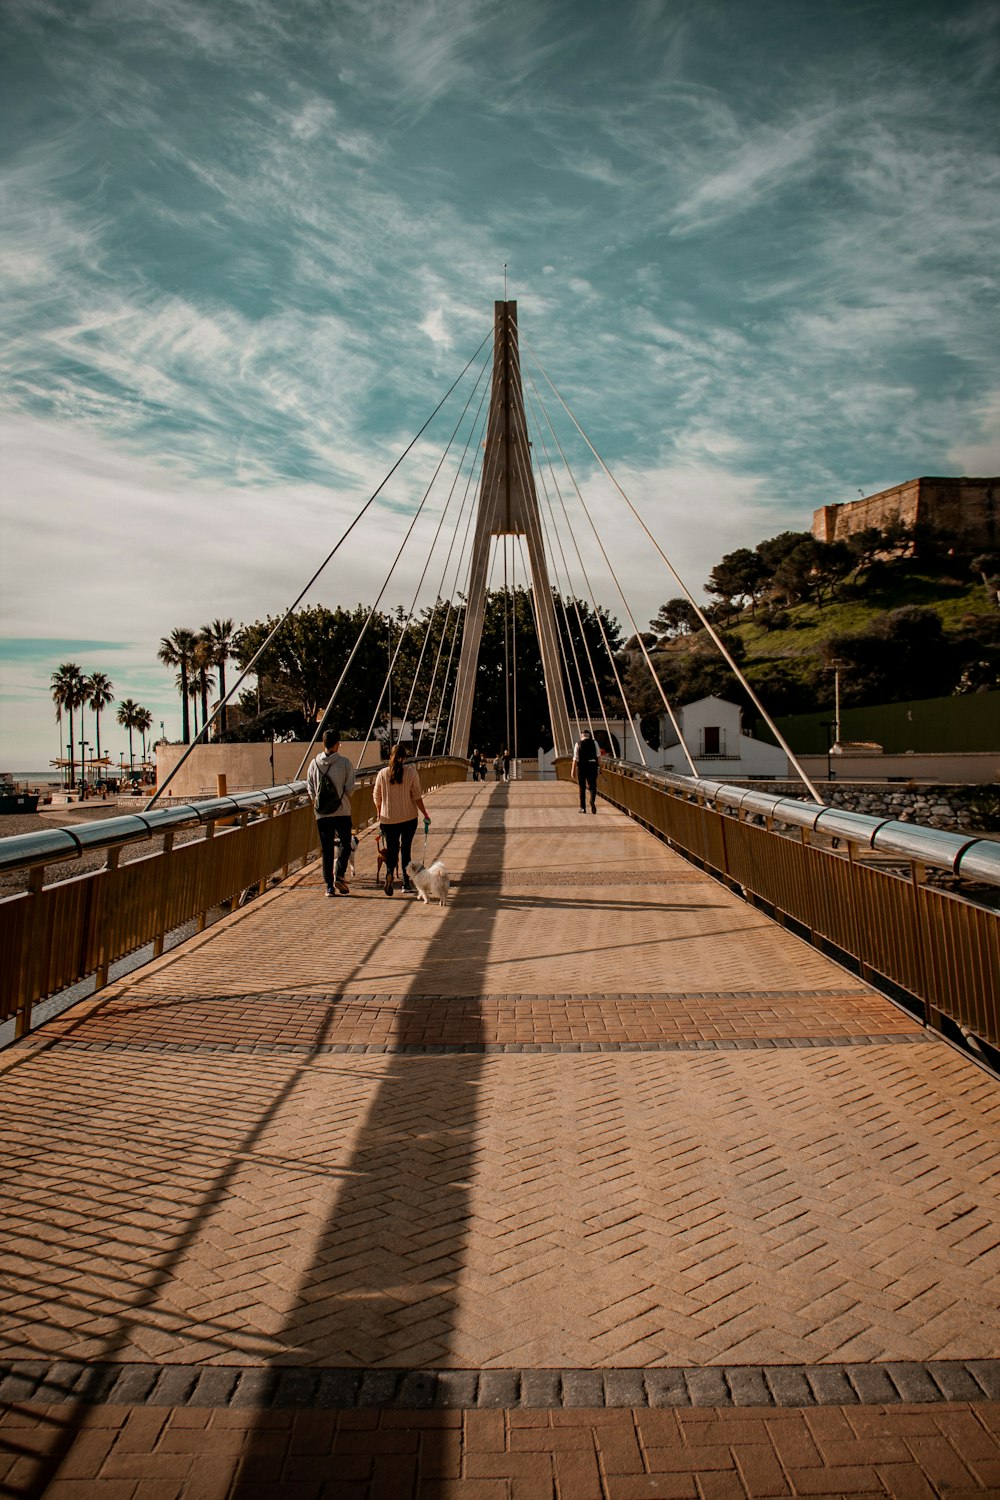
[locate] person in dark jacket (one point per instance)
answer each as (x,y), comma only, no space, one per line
(586,758)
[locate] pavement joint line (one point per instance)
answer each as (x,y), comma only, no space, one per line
(423,1049)
(400,1389)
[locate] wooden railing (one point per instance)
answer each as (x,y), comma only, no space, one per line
(928,945)
(52,936)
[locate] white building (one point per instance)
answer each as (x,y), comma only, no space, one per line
(712,729)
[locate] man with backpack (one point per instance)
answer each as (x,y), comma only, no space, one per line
(331,781)
(586,757)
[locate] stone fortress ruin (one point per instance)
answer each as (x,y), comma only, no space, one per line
(962,510)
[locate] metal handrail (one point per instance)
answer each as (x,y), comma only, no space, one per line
(964,854)
(26,851)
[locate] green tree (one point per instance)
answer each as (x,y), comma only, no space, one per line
(69,693)
(144,723)
(904,654)
(219,638)
(202,661)
(177,650)
(676,617)
(126,717)
(298,672)
(100,692)
(740,578)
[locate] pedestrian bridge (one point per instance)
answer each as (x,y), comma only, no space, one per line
(600,1181)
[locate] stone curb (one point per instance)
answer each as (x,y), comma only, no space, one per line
(260,1387)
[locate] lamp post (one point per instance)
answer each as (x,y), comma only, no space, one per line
(828,725)
(84,744)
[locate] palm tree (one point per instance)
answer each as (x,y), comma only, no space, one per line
(177,650)
(100,692)
(144,723)
(219,635)
(68,692)
(126,716)
(202,661)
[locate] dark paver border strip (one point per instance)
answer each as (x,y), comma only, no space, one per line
(444,1049)
(891,1383)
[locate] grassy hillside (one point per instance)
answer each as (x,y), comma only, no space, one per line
(858,608)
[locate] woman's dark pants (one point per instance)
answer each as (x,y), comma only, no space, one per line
(398,845)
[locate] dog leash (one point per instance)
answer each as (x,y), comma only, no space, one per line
(427,824)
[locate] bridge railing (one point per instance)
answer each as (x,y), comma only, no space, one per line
(54,935)
(931,946)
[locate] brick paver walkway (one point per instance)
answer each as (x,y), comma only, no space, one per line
(595,1183)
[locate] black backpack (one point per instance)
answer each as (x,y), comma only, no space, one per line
(327,798)
(587,753)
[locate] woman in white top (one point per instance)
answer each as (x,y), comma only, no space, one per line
(398,799)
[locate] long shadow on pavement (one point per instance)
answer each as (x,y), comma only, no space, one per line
(385,1272)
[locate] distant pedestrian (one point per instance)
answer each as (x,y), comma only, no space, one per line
(586,758)
(506,765)
(497,766)
(330,780)
(398,799)
(478,767)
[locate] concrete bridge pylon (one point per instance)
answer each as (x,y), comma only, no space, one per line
(508,506)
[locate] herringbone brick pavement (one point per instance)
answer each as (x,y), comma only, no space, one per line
(172,1201)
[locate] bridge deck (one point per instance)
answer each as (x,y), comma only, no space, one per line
(632,1190)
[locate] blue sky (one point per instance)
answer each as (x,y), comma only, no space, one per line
(246,245)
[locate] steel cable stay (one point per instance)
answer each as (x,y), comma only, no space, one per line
(539,431)
(223,703)
(573,596)
(534,616)
(628,610)
(546,531)
(590,590)
(474,471)
(423,574)
(370,616)
(451,653)
(564,637)
(455,631)
(570,593)
(439,599)
(513,642)
(519,457)
(713,634)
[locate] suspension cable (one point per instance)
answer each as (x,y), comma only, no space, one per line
(593,598)
(687,592)
(451,545)
(454,635)
(475,468)
(524,464)
(513,641)
(420,582)
(632,621)
(506,646)
(552,530)
(330,555)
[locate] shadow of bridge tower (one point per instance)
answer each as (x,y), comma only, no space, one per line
(376,1311)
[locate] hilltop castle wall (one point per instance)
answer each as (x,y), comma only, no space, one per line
(966,508)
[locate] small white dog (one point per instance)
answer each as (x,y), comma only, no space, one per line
(429,880)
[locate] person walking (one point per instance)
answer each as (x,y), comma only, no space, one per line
(497,766)
(330,780)
(586,758)
(506,765)
(476,761)
(398,799)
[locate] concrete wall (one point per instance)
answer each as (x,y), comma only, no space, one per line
(247,767)
(968,507)
(956,770)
